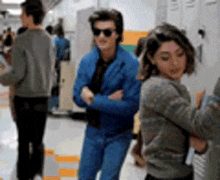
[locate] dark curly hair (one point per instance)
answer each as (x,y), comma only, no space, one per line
(156,37)
(140,46)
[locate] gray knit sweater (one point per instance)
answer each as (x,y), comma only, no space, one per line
(167,119)
(33,65)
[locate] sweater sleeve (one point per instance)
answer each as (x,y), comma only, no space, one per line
(166,101)
(18,66)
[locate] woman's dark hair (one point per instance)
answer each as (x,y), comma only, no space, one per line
(34,8)
(106,15)
(156,37)
(140,46)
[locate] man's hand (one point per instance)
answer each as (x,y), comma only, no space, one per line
(87,95)
(117,95)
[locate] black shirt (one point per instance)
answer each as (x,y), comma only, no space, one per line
(101,67)
(95,87)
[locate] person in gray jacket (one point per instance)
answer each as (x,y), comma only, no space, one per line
(33,61)
(167,117)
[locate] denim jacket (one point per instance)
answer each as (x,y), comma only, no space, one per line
(121,74)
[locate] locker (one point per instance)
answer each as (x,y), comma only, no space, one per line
(174,14)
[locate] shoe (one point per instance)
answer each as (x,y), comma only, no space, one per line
(37,177)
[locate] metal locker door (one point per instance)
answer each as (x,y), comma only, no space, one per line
(209,23)
(174,13)
(161,12)
(190,24)
(207,166)
(169,11)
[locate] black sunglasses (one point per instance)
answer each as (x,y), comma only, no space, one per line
(107,32)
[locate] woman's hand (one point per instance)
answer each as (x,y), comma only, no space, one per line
(200,97)
(117,95)
(199,144)
(87,95)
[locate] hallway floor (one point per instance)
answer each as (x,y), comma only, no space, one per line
(63,142)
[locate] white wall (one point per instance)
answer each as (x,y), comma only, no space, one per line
(14,24)
(139,15)
(67,10)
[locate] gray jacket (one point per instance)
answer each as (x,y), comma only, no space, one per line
(167,119)
(33,61)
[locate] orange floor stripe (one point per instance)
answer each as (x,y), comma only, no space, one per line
(67,158)
(68,172)
(51,178)
(49,152)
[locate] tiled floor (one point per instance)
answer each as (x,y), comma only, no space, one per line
(63,141)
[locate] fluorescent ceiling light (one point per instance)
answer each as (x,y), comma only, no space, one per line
(14,11)
(12,1)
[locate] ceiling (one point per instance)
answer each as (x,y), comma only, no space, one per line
(4,13)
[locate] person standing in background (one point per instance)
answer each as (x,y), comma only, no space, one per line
(8,40)
(4,32)
(136,151)
(107,87)
(33,60)
(61,43)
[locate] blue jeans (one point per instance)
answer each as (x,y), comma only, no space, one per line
(103,151)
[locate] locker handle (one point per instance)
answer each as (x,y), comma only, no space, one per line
(63,80)
(201,32)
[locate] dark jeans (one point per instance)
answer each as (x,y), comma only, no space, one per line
(189,177)
(31,120)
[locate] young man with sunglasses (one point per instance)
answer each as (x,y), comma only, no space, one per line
(106,86)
